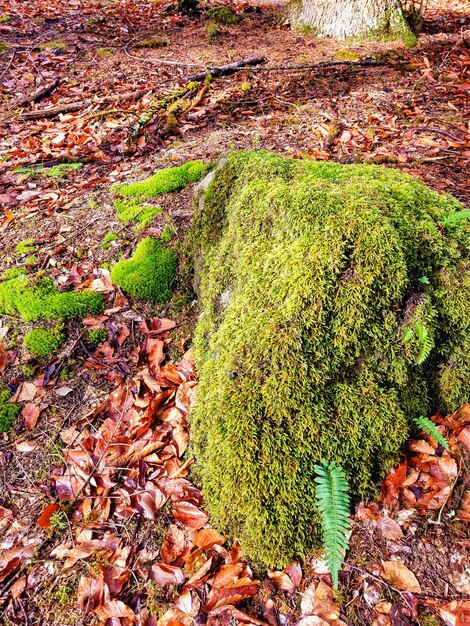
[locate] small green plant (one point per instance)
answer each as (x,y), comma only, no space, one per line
(59,521)
(42,342)
(40,300)
(223,15)
(149,273)
(332,498)
(456,217)
(423,338)
(431,429)
(8,412)
(53,45)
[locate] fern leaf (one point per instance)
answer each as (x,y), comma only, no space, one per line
(332,496)
(425,342)
(456,217)
(431,429)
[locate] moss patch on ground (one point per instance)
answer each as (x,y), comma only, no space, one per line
(41,342)
(40,300)
(312,274)
(8,412)
(57,171)
(149,273)
(131,206)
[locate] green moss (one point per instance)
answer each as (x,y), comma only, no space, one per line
(40,300)
(213,31)
(5,19)
(156,42)
(41,342)
(13,272)
(109,239)
(223,15)
(8,412)
(164,181)
(310,276)
(347,55)
(105,52)
(3,46)
(149,273)
(26,246)
(54,45)
(130,210)
(96,336)
(57,171)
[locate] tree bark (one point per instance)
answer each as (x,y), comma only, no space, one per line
(341,19)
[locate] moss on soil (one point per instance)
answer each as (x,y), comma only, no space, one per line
(57,171)
(40,300)
(131,206)
(223,15)
(149,273)
(42,342)
(311,274)
(8,412)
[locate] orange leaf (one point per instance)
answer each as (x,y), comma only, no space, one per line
(241,590)
(44,520)
(398,575)
(207,538)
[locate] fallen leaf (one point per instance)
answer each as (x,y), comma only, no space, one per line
(398,575)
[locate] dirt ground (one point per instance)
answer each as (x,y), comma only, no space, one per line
(372,102)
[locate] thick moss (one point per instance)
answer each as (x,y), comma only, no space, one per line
(149,273)
(8,412)
(42,342)
(40,300)
(316,282)
(164,181)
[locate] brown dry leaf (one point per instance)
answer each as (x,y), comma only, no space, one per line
(325,605)
(382,620)
(207,538)
(281,580)
(174,617)
(455,613)
(114,608)
(398,575)
(464,439)
(463,514)
(173,544)
(26,393)
(18,587)
(164,574)
(189,515)
(227,576)
(12,558)
(389,528)
(4,357)
(232,594)
(155,354)
(30,412)
(313,620)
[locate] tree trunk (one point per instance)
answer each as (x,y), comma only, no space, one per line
(381,19)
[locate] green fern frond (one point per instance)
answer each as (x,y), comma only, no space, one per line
(431,429)
(456,217)
(332,497)
(425,342)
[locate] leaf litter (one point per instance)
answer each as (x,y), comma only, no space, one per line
(112,528)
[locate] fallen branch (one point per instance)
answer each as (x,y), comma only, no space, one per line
(71,107)
(41,93)
(278,68)
(224,70)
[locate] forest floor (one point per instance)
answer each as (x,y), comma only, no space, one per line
(99,522)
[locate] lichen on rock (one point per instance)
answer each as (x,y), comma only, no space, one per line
(312,276)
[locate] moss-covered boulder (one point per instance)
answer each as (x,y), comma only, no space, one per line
(334,309)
